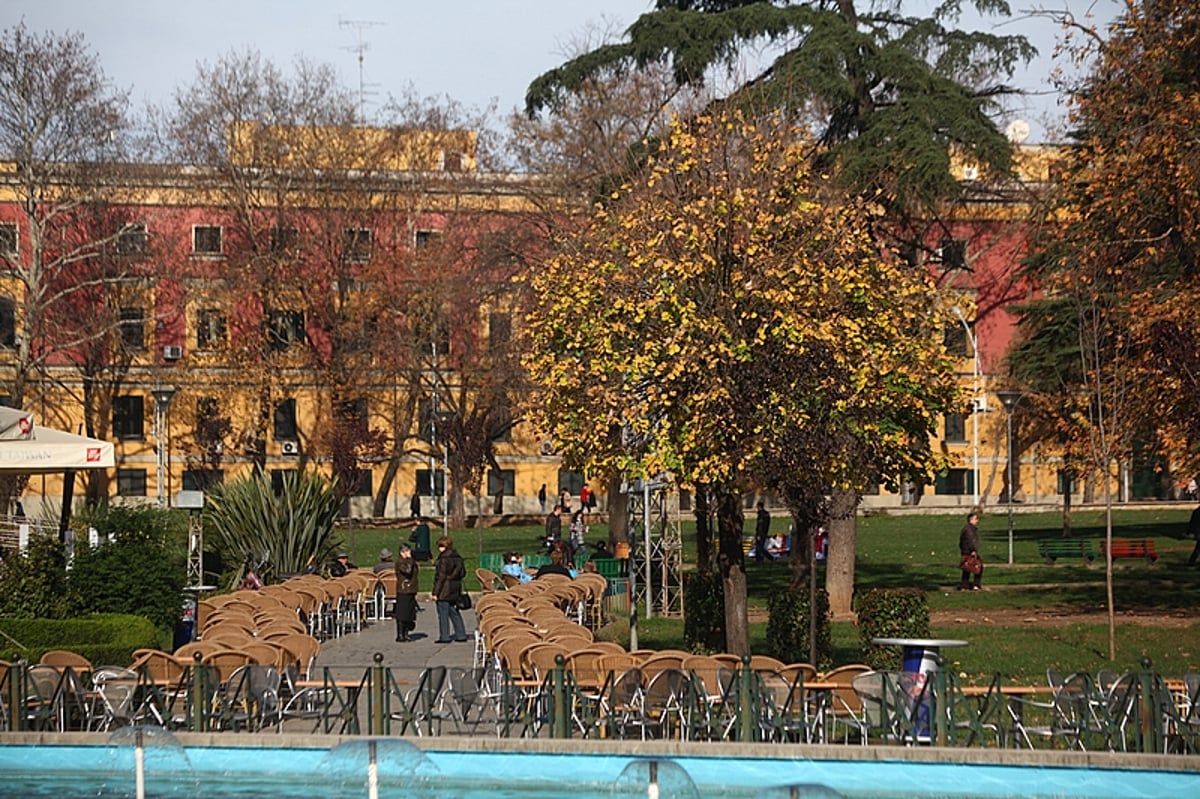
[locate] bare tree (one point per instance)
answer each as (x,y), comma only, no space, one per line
(65,128)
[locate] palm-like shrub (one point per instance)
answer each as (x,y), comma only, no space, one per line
(289,529)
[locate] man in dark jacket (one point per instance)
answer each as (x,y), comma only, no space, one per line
(554,527)
(968,545)
(407,571)
(762,531)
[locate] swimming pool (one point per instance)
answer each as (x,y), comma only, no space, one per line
(287,767)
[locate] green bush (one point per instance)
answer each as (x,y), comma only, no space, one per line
(787,628)
(139,568)
(703,612)
(104,639)
(133,576)
(890,613)
(33,583)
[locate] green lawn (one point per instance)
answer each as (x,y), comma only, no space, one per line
(922,552)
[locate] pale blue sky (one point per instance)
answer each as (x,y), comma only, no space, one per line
(470,50)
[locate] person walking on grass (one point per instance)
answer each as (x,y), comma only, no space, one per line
(968,547)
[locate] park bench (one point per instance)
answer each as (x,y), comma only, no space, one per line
(1132,548)
(1066,548)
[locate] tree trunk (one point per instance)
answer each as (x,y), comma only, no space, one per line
(800,559)
(839,565)
(379,504)
(618,514)
(704,537)
(733,573)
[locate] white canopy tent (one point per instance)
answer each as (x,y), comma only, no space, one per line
(29,448)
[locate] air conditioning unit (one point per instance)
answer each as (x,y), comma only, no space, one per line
(172,352)
(970,173)
(290,447)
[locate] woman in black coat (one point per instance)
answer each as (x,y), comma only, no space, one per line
(447,589)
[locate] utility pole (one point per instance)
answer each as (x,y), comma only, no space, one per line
(360,48)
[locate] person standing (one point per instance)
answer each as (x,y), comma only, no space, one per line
(407,572)
(447,588)
(968,547)
(762,531)
(419,538)
(585,498)
(414,506)
(542,497)
(1194,531)
(554,527)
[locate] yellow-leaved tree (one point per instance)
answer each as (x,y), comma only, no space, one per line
(734,317)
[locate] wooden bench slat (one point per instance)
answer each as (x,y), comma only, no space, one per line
(1131,548)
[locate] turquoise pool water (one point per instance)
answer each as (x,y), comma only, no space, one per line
(403,770)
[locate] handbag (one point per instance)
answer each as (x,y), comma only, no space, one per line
(972,564)
(463,602)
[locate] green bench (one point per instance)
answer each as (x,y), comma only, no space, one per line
(1066,548)
(1132,548)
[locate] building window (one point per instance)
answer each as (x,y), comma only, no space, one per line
(956,428)
(353,414)
(285,329)
(128,416)
(499,331)
(210,329)
(202,479)
(502,481)
(439,483)
(1065,483)
(425,238)
(954,254)
(133,240)
(501,420)
(364,485)
(133,328)
(570,481)
(131,482)
(278,476)
(285,421)
(356,244)
(954,338)
(284,240)
(955,482)
(8,323)
(8,239)
(206,240)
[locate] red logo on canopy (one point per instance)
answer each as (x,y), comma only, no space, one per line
(25,424)
(93,454)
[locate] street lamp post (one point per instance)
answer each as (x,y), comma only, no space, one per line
(162,401)
(1009,400)
(976,408)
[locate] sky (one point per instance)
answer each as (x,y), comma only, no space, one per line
(472,51)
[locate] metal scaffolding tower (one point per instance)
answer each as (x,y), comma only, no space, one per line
(654,529)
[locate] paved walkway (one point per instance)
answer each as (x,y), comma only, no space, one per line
(349,655)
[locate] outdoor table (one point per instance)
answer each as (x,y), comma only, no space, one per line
(922,656)
(919,654)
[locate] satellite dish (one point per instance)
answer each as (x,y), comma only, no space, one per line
(1017,131)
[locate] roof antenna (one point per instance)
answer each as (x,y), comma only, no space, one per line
(360,26)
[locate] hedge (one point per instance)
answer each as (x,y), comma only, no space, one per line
(890,613)
(102,638)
